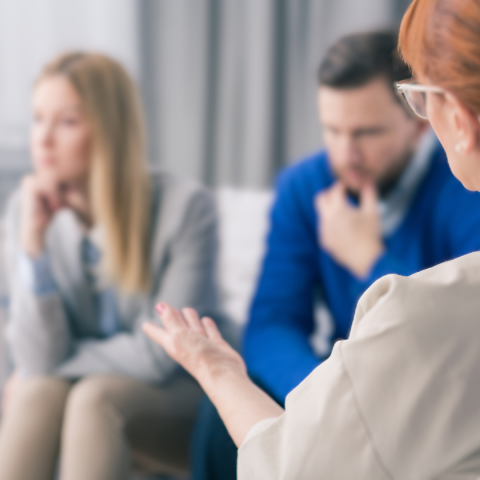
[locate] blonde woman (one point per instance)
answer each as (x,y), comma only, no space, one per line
(93,242)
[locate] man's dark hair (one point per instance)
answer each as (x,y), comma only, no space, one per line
(355,60)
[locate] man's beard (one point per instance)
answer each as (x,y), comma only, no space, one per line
(389,181)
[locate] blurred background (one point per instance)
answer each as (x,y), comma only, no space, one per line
(229,90)
(228,85)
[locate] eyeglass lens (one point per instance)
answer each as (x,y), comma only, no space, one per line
(417,102)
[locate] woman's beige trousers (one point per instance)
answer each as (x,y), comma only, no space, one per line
(102,428)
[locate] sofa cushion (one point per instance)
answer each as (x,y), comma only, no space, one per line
(244,222)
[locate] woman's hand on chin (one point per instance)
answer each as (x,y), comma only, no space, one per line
(196,344)
(42,197)
(40,200)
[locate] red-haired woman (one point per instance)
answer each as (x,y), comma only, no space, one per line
(401,397)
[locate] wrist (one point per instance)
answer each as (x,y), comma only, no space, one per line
(367,261)
(215,378)
(33,247)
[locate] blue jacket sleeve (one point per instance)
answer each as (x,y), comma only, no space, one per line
(276,343)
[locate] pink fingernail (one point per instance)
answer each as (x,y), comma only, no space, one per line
(160,307)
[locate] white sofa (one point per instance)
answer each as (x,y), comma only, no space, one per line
(243,229)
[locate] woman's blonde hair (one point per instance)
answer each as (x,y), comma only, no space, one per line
(119,182)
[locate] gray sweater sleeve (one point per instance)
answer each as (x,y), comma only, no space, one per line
(187,279)
(38,329)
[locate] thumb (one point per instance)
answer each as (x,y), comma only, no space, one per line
(211,328)
(156,333)
(369,199)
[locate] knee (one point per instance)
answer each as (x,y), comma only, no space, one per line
(41,394)
(91,396)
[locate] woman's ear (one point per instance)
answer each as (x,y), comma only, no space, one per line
(465,125)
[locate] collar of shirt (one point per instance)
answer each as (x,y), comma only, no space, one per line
(393,208)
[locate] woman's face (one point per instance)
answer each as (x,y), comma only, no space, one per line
(452,122)
(60,135)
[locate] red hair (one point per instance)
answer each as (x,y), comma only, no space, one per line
(440,39)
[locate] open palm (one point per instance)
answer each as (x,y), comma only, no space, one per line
(195,344)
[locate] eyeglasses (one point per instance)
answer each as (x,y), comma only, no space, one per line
(416,96)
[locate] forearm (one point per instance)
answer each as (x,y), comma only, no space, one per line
(239,402)
(38,328)
(38,332)
(130,354)
(200,349)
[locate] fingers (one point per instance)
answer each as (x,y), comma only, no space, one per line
(211,329)
(369,198)
(332,198)
(49,188)
(323,200)
(172,319)
(191,316)
(319,202)
(339,191)
(156,333)
(43,190)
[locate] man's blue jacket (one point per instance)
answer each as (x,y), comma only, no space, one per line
(442,222)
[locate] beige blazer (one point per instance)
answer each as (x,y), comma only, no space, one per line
(59,333)
(400,399)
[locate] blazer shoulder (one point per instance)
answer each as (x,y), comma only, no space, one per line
(445,291)
(176,201)
(171,189)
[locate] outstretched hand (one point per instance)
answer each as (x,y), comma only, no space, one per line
(195,344)
(198,346)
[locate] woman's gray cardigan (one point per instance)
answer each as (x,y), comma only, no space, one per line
(58,333)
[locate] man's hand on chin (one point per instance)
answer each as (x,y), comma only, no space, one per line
(350,234)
